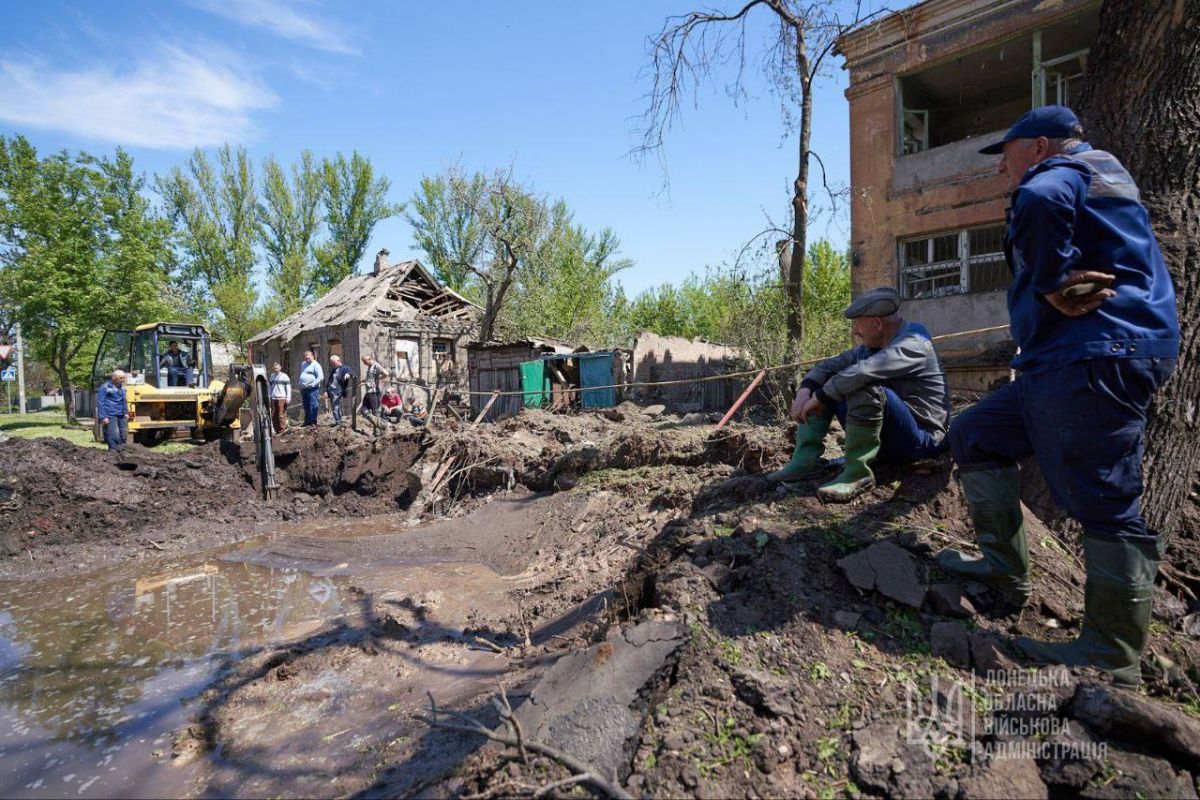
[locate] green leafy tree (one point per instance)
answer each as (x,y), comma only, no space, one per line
(215,211)
(566,291)
(446,231)
(290,219)
(81,250)
(355,202)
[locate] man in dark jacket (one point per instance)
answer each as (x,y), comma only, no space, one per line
(112,411)
(340,385)
(1093,310)
(889,393)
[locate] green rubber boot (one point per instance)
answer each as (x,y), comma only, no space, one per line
(862,445)
(810,444)
(994,500)
(1117,602)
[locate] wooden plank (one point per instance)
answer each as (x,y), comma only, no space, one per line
(488,407)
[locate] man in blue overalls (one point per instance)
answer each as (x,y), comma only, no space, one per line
(112,411)
(1093,311)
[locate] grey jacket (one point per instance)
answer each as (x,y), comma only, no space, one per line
(907,365)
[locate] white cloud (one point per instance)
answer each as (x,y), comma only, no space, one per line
(174,98)
(284,19)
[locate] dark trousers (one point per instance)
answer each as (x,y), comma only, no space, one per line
(116,432)
(902,440)
(335,406)
(279,415)
(1084,424)
(370,402)
(308,397)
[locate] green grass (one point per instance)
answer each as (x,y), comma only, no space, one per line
(44,424)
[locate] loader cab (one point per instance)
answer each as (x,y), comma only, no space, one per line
(163,355)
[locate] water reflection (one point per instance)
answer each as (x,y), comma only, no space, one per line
(89,663)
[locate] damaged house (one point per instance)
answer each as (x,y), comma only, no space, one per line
(399,313)
(937,81)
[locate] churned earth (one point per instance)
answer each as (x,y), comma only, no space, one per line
(627,592)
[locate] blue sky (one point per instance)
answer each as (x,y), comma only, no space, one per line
(550,88)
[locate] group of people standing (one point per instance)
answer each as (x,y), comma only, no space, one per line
(340,384)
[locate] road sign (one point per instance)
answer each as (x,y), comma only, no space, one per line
(8,374)
(5,351)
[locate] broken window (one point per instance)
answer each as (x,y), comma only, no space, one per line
(959,262)
(984,91)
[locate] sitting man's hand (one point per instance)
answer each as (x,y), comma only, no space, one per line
(813,406)
(1076,305)
(802,398)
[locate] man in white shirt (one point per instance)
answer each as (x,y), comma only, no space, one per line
(280,394)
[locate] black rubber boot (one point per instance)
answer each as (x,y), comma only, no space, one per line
(994,499)
(1117,602)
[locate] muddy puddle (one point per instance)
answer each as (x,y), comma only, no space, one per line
(98,672)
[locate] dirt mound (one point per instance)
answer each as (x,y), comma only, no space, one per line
(800,667)
(57,495)
(330,462)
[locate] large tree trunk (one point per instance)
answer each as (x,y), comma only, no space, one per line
(1142,103)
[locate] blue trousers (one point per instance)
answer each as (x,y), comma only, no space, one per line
(335,406)
(309,399)
(1084,424)
(116,432)
(902,440)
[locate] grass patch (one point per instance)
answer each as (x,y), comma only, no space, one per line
(53,425)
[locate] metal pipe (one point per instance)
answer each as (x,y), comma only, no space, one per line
(738,403)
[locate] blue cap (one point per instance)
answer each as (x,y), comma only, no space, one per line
(1053,122)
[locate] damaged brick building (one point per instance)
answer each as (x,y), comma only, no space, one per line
(935,82)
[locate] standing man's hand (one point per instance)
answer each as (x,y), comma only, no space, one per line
(1076,305)
(802,398)
(104,421)
(813,406)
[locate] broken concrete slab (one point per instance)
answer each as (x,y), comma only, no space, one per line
(1155,726)
(886,568)
(949,641)
(1005,777)
(948,600)
(655,410)
(587,703)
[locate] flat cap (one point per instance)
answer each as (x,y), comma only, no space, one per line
(878,302)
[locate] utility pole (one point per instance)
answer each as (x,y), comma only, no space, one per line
(21,369)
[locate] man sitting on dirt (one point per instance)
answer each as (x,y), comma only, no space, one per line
(889,393)
(1093,311)
(341,381)
(414,412)
(281,394)
(391,405)
(112,411)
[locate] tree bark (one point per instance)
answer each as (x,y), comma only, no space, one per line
(795,276)
(1141,102)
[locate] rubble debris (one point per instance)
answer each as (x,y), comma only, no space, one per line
(1016,778)
(947,599)
(1123,714)
(888,569)
(885,760)
(949,641)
